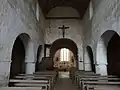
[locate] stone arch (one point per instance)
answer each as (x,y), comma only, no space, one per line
(28,62)
(64,43)
(89,60)
(18,58)
(63,11)
(102,50)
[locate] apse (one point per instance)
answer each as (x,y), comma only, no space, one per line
(64,60)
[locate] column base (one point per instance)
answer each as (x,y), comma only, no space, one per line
(87,67)
(81,66)
(101,69)
(30,67)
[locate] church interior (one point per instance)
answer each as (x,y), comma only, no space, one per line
(59,44)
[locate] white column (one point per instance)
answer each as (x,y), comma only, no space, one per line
(30,59)
(80,65)
(101,58)
(5,67)
(5,71)
(30,67)
(87,61)
(101,69)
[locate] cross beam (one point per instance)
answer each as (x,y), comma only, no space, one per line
(63,28)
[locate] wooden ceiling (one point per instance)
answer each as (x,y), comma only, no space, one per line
(79,5)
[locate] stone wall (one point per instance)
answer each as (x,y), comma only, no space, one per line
(107,18)
(74,32)
(17,17)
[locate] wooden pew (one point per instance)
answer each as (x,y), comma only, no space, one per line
(77,77)
(99,85)
(20,88)
(40,78)
(46,72)
(54,74)
(102,87)
(30,83)
(80,77)
(45,75)
(50,77)
(93,77)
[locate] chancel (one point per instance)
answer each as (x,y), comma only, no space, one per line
(59,44)
(64,59)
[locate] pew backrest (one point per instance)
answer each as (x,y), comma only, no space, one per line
(20,88)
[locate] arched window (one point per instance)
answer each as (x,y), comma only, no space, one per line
(65,54)
(37,11)
(90,10)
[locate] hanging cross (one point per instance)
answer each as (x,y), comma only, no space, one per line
(63,28)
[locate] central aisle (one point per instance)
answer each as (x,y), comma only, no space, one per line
(64,84)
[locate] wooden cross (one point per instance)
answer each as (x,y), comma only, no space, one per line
(63,28)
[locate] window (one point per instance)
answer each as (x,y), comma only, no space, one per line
(64,55)
(90,10)
(37,11)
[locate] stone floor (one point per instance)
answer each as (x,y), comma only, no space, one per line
(64,75)
(64,84)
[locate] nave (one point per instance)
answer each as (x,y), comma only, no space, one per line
(50,80)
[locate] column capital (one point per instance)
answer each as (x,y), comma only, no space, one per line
(9,61)
(27,61)
(101,64)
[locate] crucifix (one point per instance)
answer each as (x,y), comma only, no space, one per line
(63,28)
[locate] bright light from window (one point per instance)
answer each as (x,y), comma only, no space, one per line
(64,54)
(90,10)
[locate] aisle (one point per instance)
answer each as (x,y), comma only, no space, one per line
(64,84)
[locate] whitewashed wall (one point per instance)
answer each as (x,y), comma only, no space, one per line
(74,32)
(16,17)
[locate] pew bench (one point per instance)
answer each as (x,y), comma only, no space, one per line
(32,77)
(52,73)
(20,88)
(95,78)
(88,77)
(44,84)
(51,78)
(88,85)
(78,77)
(102,87)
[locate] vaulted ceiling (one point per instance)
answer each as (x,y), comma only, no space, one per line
(79,5)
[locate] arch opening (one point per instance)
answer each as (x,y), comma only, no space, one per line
(20,53)
(47,63)
(64,60)
(37,66)
(18,58)
(90,58)
(107,55)
(113,58)
(64,43)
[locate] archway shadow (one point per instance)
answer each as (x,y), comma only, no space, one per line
(18,55)
(90,53)
(108,53)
